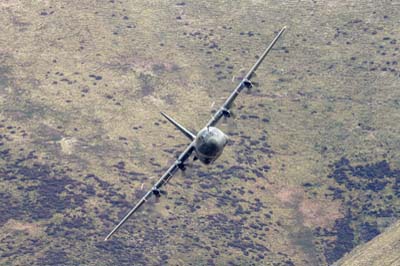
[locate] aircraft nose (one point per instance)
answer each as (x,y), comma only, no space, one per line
(213,144)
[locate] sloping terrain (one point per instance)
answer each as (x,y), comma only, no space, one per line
(312,169)
(382,250)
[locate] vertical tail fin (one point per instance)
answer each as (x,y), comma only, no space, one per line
(186,132)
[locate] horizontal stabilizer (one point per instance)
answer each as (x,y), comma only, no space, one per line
(186,132)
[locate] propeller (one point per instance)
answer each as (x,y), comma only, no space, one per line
(228,115)
(158,193)
(212,109)
(187,169)
(250,84)
(247,82)
(228,119)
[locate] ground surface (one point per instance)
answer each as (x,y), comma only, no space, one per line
(382,250)
(313,167)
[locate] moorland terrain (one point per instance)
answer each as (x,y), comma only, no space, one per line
(312,169)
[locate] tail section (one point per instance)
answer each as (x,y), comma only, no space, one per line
(186,132)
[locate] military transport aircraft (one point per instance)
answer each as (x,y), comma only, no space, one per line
(208,144)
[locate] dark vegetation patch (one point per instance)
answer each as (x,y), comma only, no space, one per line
(344,242)
(147,84)
(119,250)
(231,228)
(369,193)
(55,190)
(128,175)
(111,195)
(209,42)
(6,208)
(50,199)
(95,77)
(373,177)
(250,148)
(54,257)
(385,47)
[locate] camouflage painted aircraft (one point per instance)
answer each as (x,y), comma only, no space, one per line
(208,144)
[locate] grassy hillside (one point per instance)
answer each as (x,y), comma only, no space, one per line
(382,250)
(312,169)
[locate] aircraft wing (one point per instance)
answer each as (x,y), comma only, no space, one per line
(245,83)
(178,164)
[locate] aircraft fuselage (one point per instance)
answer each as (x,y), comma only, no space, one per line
(209,144)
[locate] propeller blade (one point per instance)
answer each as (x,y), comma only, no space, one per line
(188,172)
(158,193)
(224,120)
(232,115)
(157,199)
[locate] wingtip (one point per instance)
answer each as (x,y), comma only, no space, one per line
(164,115)
(108,236)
